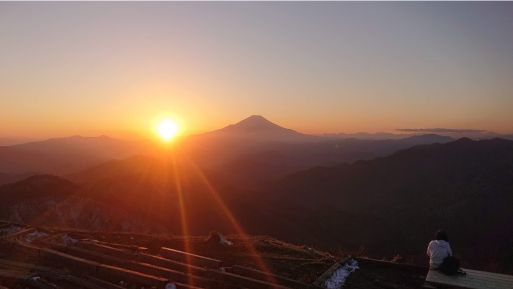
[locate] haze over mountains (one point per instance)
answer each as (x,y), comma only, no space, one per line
(255,151)
(254,139)
(64,155)
(464,186)
(384,197)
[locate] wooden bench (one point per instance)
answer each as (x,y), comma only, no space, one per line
(473,280)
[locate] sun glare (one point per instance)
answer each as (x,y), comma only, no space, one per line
(168,129)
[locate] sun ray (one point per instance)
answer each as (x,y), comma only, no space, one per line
(183,218)
(236,225)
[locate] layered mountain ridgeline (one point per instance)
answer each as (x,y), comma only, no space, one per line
(385,206)
(382,207)
(392,205)
(65,155)
(255,151)
(45,200)
(6,178)
(249,153)
(135,194)
(159,189)
(270,162)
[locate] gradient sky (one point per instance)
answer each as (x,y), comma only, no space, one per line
(113,68)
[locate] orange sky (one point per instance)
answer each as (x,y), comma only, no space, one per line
(114,68)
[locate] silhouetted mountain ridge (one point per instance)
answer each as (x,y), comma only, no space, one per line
(256,123)
(388,205)
(35,187)
(433,162)
(65,155)
(256,128)
(392,205)
(252,140)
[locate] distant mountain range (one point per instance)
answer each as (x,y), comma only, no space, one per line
(403,133)
(379,197)
(135,194)
(255,149)
(381,207)
(46,200)
(64,155)
(392,205)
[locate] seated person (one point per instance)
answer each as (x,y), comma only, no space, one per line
(438,250)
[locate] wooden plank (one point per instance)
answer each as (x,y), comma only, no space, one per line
(133,248)
(164,262)
(6,235)
(490,275)
(211,278)
(97,247)
(74,263)
(116,273)
(176,276)
(257,274)
(88,254)
(143,257)
(472,280)
(15,235)
(200,276)
(247,282)
(108,272)
(160,262)
(193,258)
(140,273)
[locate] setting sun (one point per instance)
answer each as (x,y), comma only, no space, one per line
(168,129)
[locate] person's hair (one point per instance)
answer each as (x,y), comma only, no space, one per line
(441,235)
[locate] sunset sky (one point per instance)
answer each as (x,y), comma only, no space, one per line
(115,68)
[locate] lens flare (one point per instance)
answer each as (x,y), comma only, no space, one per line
(168,129)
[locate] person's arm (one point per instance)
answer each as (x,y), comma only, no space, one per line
(450,250)
(428,251)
